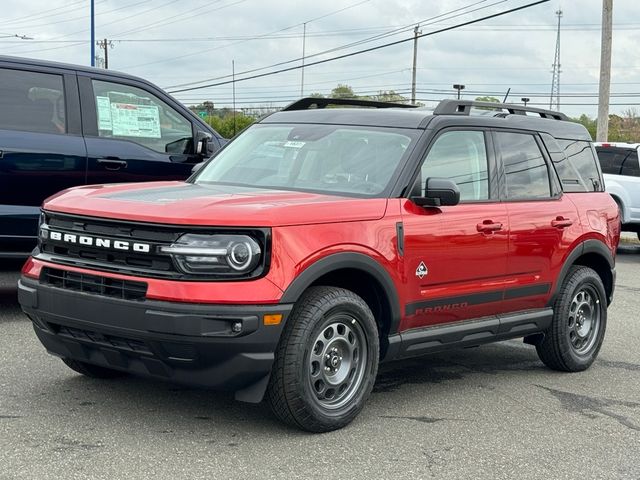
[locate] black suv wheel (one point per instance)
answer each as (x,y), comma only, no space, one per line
(574,339)
(327,361)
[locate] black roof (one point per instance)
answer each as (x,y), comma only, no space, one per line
(66,66)
(448,113)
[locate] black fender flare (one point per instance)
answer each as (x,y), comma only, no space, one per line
(352,260)
(588,246)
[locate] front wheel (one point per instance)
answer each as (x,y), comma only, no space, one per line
(575,336)
(327,361)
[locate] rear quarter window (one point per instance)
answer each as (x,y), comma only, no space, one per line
(575,163)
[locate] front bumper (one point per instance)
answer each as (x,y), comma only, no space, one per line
(193,344)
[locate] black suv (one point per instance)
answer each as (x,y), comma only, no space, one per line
(66,125)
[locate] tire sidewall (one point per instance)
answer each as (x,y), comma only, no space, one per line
(576,361)
(298,354)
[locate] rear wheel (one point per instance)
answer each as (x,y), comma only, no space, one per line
(90,370)
(327,361)
(575,336)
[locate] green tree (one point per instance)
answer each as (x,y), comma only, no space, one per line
(342,91)
(488,99)
(226,125)
(389,96)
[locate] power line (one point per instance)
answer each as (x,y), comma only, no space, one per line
(342,47)
(371,49)
(263,36)
(44,13)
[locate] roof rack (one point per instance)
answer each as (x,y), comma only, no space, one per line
(463,107)
(313,102)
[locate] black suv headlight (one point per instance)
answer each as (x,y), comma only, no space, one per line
(224,254)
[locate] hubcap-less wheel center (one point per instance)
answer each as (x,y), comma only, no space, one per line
(337,361)
(333,360)
(584,320)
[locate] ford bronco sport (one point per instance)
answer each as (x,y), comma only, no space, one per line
(322,241)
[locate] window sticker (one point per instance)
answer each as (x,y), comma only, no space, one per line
(129,120)
(103,105)
(292,144)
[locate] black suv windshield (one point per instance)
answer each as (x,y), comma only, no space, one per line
(337,159)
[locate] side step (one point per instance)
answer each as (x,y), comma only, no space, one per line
(469,333)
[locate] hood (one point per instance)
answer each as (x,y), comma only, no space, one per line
(183,203)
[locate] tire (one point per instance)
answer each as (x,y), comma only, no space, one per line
(572,342)
(90,370)
(312,387)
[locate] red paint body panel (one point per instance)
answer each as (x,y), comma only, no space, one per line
(213,207)
(461,257)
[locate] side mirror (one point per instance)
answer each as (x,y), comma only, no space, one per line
(205,145)
(438,192)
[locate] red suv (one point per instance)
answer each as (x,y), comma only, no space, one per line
(322,241)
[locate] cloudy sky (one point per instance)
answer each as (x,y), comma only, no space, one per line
(178,43)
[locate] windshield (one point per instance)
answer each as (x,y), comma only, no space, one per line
(336,159)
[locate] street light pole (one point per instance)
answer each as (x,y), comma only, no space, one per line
(458,87)
(93,35)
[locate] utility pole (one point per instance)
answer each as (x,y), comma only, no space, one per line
(233,83)
(304,44)
(555,78)
(105,45)
(93,35)
(602,131)
(416,32)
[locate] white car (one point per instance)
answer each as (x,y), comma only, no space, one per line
(619,162)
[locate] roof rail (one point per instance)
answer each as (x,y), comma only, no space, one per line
(463,107)
(313,102)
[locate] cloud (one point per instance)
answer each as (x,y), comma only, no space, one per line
(512,51)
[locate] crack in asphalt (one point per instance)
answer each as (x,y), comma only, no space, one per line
(588,406)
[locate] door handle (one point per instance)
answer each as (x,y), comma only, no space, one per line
(561,222)
(112,163)
(488,226)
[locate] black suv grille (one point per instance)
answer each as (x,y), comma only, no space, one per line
(94,284)
(148,263)
(100,339)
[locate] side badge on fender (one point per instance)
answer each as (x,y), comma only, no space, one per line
(422,270)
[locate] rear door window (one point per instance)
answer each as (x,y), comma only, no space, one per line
(32,102)
(526,171)
(126,112)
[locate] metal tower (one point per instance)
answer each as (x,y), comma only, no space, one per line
(554,99)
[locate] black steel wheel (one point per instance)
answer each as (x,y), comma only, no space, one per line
(575,336)
(327,361)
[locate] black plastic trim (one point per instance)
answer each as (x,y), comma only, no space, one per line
(469,333)
(400,238)
(188,343)
(339,261)
(588,246)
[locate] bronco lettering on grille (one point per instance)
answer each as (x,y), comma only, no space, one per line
(99,242)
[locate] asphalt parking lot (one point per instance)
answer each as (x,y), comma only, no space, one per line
(490,412)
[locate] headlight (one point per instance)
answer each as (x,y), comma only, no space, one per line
(215,254)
